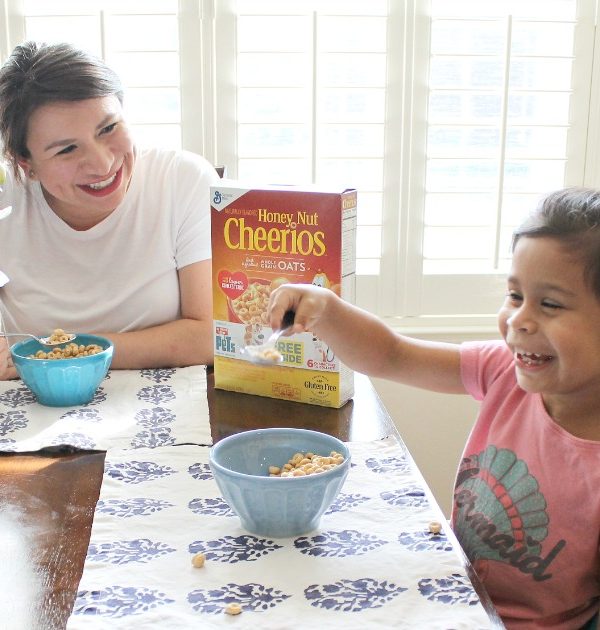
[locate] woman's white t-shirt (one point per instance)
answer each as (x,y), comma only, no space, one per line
(120,275)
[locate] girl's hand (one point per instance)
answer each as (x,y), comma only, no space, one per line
(7,369)
(308,302)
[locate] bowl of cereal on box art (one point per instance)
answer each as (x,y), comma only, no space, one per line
(280,481)
(64,375)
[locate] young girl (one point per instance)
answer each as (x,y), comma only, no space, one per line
(527,493)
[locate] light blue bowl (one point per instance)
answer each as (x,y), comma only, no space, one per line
(277,507)
(63,382)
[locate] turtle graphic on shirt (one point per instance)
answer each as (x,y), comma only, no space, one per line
(500,513)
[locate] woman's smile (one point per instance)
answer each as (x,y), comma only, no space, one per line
(104,187)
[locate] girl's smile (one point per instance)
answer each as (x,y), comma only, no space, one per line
(531,360)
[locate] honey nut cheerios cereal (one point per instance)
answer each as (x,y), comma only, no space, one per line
(59,336)
(302,464)
(70,351)
(233,608)
(198,560)
(251,306)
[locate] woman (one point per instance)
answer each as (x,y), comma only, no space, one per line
(103,237)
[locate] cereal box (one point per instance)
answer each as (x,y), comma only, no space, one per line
(262,238)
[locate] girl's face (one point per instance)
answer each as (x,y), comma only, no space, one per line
(82,155)
(550,320)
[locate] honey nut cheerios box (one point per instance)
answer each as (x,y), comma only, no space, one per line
(264,237)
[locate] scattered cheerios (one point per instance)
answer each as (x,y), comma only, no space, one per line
(233,609)
(198,560)
(302,464)
(435,527)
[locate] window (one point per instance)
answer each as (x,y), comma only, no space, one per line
(451,117)
(140,40)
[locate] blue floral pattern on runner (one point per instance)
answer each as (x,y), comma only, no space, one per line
(424,541)
(200,471)
(12,421)
(119,601)
(154,417)
(412,496)
(345,502)
(153,438)
(252,597)
(18,397)
(232,549)
(329,544)
(212,507)
(454,589)
(127,551)
(352,595)
(126,508)
(158,375)
(138,472)
(83,413)
(336,570)
(99,397)
(131,409)
(78,440)
(156,394)
(388,465)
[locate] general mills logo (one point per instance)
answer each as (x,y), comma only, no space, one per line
(217,197)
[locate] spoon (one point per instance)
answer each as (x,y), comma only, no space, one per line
(266,353)
(45,341)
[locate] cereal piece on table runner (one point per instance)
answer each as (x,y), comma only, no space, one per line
(233,609)
(198,560)
(435,527)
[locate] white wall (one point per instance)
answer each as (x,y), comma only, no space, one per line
(434,427)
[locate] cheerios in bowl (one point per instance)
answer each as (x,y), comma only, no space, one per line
(249,469)
(65,375)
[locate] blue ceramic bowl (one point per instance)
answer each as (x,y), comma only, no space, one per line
(277,507)
(63,382)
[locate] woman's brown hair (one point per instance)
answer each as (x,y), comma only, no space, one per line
(36,74)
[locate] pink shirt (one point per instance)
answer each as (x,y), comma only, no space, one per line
(527,501)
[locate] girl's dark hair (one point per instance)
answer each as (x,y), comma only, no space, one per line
(572,216)
(36,74)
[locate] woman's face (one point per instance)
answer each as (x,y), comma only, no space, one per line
(83,156)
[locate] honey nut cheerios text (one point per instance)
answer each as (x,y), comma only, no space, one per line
(240,236)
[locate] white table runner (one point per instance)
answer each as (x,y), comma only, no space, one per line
(371,564)
(131,409)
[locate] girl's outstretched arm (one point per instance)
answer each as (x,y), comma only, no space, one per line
(364,343)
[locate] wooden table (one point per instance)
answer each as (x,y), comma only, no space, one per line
(47,498)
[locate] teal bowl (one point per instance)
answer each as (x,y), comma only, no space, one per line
(63,382)
(277,507)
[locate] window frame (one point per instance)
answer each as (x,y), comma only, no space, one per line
(402,295)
